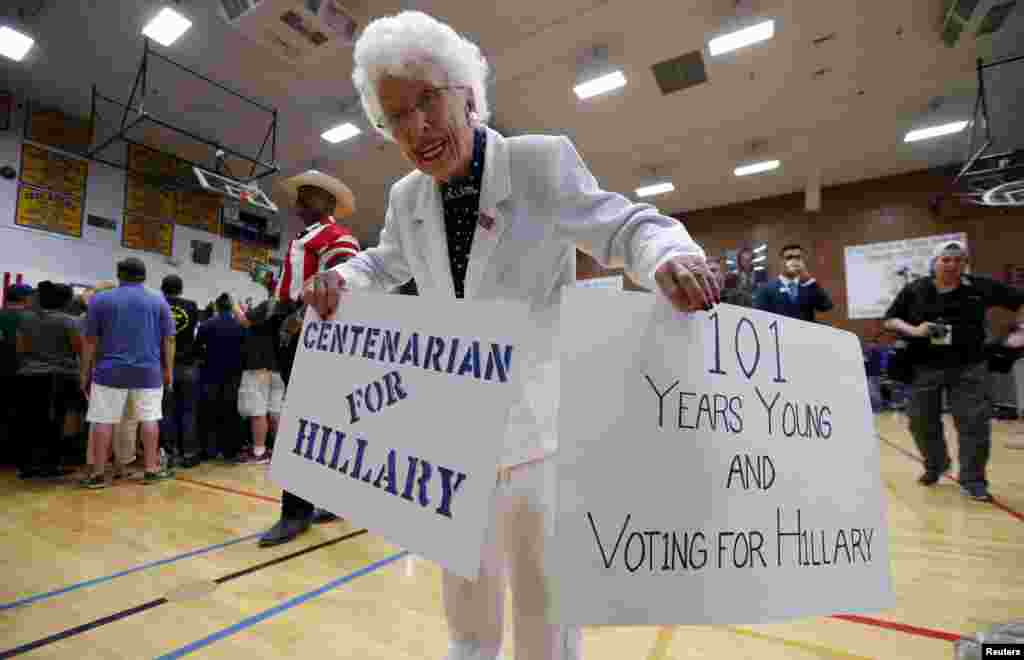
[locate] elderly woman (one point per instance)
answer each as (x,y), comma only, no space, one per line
(483,217)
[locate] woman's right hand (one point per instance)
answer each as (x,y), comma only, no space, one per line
(323,292)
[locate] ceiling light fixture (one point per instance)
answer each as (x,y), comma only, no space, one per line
(166,27)
(14,44)
(655,189)
(935,131)
(761,248)
(341,132)
(755,168)
(600,85)
(742,38)
(595,74)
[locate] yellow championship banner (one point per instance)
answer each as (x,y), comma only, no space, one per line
(49,211)
(53,127)
(56,172)
(150,162)
(148,234)
(145,199)
(198,209)
(245,255)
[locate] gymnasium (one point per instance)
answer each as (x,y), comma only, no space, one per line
(719,262)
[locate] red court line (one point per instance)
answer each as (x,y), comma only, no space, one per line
(999,505)
(226,489)
(901,627)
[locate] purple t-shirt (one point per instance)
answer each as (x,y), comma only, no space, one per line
(130,324)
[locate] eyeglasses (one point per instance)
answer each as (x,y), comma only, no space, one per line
(429,103)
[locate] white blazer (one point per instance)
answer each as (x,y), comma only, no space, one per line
(543,203)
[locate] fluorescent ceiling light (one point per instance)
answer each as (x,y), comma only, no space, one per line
(600,85)
(741,38)
(761,248)
(655,189)
(758,267)
(166,27)
(935,131)
(14,44)
(754,168)
(341,132)
(758,260)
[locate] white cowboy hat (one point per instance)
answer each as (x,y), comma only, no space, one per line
(346,201)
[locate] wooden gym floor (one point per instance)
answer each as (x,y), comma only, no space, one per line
(173,569)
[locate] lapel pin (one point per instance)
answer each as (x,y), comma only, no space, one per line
(486,221)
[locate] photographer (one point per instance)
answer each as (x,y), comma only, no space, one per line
(943,319)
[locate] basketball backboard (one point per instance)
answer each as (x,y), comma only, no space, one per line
(987,177)
(233,188)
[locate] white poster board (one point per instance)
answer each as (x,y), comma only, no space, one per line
(876,272)
(712,468)
(395,416)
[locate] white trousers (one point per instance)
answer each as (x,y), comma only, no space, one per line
(522,519)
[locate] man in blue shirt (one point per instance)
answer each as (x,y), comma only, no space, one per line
(795,294)
(134,332)
(219,346)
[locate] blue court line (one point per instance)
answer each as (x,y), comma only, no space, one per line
(277,609)
(152,564)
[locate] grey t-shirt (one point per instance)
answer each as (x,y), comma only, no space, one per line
(51,348)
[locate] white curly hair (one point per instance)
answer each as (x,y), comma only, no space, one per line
(412,44)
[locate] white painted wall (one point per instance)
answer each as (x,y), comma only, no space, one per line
(42,255)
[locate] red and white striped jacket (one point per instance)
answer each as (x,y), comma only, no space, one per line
(317,248)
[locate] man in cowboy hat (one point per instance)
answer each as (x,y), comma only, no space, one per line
(319,200)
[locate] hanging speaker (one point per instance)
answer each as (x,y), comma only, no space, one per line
(201,251)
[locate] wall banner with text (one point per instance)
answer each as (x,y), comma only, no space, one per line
(877,272)
(395,416)
(725,470)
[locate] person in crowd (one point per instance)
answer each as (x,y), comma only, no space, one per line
(261,389)
(943,319)
(743,282)
(796,293)
(124,446)
(45,386)
(319,201)
(219,347)
(731,296)
(424,87)
(178,427)
(18,303)
(132,332)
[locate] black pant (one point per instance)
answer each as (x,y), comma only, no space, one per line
(970,399)
(220,425)
(38,427)
(178,427)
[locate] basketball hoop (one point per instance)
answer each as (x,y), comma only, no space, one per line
(234,189)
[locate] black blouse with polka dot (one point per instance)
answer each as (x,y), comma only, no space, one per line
(461,199)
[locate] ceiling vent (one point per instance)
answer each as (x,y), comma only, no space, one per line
(300,32)
(680,72)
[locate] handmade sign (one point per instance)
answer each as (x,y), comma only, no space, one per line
(395,416)
(713,468)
